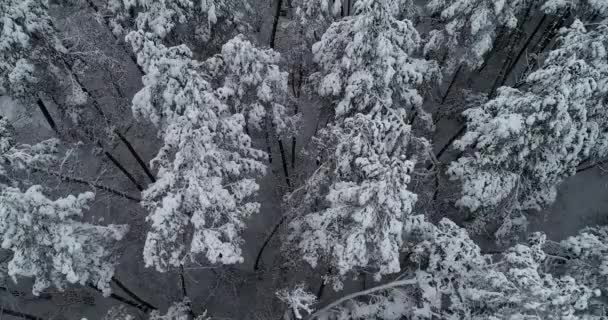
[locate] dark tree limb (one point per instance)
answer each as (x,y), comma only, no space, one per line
(284,162)
(51,122)
(124,300)
(88,183)
(18,314)
(47,115)
(523,49)
(138,158)
(591,166)
(458,134)
(447,92)
(130,53)
(132,294)
(258,258)
(275,23)
(123,170)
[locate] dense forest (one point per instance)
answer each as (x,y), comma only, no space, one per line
(303,159)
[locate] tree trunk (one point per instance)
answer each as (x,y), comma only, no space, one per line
(511,48)
(126,301)
(523,49)
(47,115)
(284,160)
(129,52)
(447,92)
(550,35)
(268,147)
(140,161)
(18,314)
(293,152)
(458,134)
(114,161)
(275,23)
(258,258)
(322,286)
(123,169)
(132,294)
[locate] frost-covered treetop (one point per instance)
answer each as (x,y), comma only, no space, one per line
(50,245)
(516,286)
(25,29)
(206,166)
(592,47)
(256,85)
(360,223)
(580,6)
(525,142)
(452,279)
(162,16)
(470,26)
(366,62)
(315,16)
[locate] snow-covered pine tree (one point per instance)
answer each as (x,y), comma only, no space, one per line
(255,85)
(27,42)
(469,28)
(524,142)
(360,222)
(315,16)
(205,19)
(450,278)
(360,203)
(582,8)
(49,243)
(45,237)
(367,64)
(206,166)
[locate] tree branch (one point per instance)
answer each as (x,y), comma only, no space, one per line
(383,287)
(88,183)
(132,294)
(18,314)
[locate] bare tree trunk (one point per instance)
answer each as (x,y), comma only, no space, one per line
(140,161)
(120,167)
(126,301)
(293,152)
(268,147)
(523,49)
(129,52)
(275,23)
(47,115)
(513,43)
(457,135)
(258,258)
(132,294)
(108,155)
(447,92)
(322,286)
(18,314)
(284,160)
(551,32)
